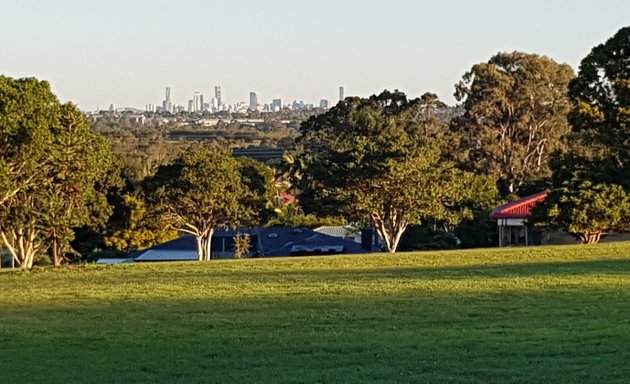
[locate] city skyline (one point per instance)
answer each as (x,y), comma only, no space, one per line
(198,102)
(126,53)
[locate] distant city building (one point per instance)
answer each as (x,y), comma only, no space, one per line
(190,106)
(167,105)
(197,102)
(276,105)
(217,96)
(298,105)
(253,101)
(137,119)
(151,108)
(341,94)
(323,104)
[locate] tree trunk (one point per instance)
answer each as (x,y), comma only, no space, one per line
(390,231)
(22,244)
(204,245)
(199,248)
(591,237)
(55,251)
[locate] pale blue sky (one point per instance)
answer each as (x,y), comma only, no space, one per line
(126,52)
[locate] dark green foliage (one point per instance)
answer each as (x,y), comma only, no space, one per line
(478,232)
(260,180)
(141,229)
(83,171)
(424,237)
(601,97)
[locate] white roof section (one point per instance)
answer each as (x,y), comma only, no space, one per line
(168,255)
(338,231)
(114,260)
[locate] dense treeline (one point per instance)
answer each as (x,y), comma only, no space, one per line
(158,140)
(420,173)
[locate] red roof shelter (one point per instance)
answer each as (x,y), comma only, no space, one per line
(512,221)
(518,209)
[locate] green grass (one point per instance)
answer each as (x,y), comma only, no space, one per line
(530,315)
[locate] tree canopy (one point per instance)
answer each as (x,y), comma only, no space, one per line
(587,211)
(380,159)
(592,180)
(53,171)
(199,192)
(601,97)
(515,117)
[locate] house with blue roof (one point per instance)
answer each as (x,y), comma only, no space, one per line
(265,242)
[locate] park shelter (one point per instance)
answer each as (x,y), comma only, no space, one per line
(512,221)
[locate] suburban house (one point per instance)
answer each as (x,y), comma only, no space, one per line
(265,242)
(512,221)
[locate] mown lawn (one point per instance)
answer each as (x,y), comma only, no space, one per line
(545,314)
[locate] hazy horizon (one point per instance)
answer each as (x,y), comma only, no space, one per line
(126,53)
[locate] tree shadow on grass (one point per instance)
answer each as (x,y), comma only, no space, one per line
(573,268)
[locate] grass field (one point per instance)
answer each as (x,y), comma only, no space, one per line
(530,315)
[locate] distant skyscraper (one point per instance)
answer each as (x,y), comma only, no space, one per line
(217,95)
(197,102)
(341,94)
(323,104)
(253,101)
(167,105)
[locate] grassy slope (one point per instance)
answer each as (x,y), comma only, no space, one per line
(512,315)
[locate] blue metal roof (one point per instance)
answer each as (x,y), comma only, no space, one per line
(274,241)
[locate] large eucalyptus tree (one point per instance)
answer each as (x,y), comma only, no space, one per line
(515,117)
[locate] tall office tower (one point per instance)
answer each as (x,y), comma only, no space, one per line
(253,101)
(197,102)
(190,106)
(217,95)
(341,94)
(323,104)
(167,105)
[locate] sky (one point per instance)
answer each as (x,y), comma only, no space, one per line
(125,52)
